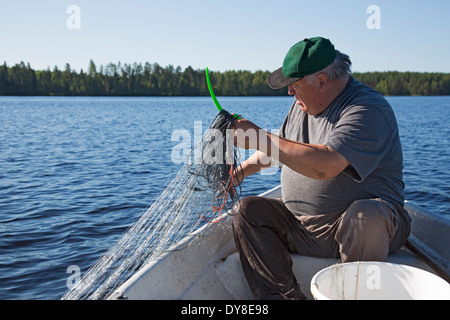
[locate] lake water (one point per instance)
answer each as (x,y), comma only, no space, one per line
(76,172)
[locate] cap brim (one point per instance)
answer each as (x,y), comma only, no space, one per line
(277,80)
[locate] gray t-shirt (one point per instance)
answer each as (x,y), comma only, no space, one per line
(360,125)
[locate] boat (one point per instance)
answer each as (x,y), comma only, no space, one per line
(206,265)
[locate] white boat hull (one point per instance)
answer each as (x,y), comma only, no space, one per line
(206,265)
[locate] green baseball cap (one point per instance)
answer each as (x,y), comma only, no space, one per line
(305,57)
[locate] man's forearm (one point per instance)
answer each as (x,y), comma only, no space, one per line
(254,164)
(311,160)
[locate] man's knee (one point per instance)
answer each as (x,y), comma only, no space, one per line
(244,204)
(244,208)
(256,211)
(365,230)
(368,214)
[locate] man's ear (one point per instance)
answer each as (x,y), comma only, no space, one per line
(323,82)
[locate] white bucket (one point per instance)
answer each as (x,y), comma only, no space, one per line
(377,281)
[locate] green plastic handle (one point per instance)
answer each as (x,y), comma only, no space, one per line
(213,96)
(211,92)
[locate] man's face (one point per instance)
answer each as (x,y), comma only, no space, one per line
(306,92)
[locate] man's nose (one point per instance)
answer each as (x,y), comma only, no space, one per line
(290,90)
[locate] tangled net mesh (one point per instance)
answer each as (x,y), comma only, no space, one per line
(199,193)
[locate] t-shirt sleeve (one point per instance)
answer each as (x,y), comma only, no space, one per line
(362,136)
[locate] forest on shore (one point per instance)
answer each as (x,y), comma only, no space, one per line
(151,79)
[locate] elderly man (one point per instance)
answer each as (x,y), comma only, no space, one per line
(341,174)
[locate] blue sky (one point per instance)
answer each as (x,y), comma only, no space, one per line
(224,35)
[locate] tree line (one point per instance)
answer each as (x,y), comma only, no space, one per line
(150,79)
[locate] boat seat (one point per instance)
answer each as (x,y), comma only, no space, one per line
(233,280)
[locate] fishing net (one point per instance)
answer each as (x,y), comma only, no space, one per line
(198,195)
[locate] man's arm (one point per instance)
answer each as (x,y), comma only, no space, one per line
(254,164)
(314,161)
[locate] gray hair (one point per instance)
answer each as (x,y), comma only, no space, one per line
(340,68)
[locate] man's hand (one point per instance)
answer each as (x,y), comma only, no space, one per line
(247,135)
